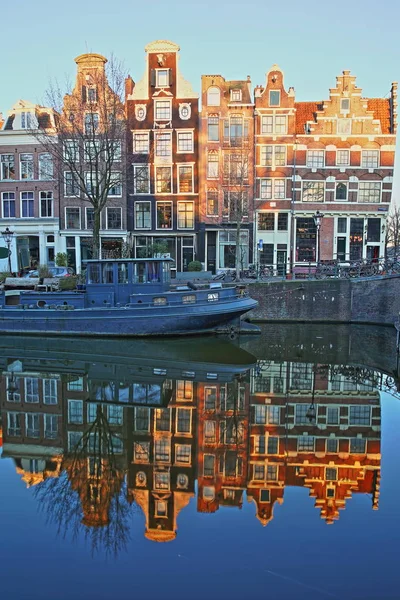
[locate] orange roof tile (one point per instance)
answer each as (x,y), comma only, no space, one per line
(305,111)
(381,110)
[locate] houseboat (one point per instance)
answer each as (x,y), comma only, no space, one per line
(127,297)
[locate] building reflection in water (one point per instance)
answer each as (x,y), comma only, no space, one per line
(95,441)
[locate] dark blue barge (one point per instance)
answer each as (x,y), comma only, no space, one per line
(126,297)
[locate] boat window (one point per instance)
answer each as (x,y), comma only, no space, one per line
(159,371)
(190,374)
(212,375)
(140,272)
(108,273)
(188,299)
(166,272)
(94,273)
(122,273)
(159,301)
(213,297)
(154,272)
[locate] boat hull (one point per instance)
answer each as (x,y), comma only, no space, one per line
(125,321)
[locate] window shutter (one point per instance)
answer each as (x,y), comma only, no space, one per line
(84,93)
(153,77)
(170,77)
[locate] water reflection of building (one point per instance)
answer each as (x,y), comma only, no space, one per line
(316,428)
(289,424)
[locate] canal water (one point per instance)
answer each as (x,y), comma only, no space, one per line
(267,466)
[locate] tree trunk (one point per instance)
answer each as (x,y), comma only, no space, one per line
(96,234)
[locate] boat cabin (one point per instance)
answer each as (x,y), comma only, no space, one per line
(120,278)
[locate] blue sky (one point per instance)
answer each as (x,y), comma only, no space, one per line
(311,42)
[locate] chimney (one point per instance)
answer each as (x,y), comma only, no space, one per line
(129,86)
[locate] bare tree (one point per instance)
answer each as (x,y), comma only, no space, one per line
(392,237)
(88,136)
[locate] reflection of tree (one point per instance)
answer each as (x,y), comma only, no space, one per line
(91,490)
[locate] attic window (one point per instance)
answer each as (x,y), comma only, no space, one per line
(236,95)
(213,96)
(162,78)
(345,105)
(26,120)
(274,98)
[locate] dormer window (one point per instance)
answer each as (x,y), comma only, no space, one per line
(213,96)
(345,105)
(274,98)
(26,120)
(162,78)
(236,95)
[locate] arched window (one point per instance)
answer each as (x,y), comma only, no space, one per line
(341,191)
(213,96)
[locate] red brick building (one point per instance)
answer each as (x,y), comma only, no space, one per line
(335,156)
(226,170)
(162,146)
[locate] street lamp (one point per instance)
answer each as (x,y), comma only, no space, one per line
(7,237)
(318,220)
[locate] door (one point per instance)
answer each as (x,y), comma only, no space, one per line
(341,249)
(281,259)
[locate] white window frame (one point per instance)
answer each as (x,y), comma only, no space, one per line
(65,185)
(47,199)
(156,168)
(136,224)
(186,447)
(113,208)
(92,122)
(75,150)
(28,162)
(318,181)
(377,186)
(172,215)
(370,159)
(342,163)
(156,104)
(315,159)
(141,166)
(116,176)
(8,200)
(236,95)
(42,158)
(214,93)
(214,190)
(158,71)
(185,132)
(185,166)
(279,97)
(144,143)
(27,199)
(178,213)
(343,110)
(65,215)
(87,208)
(163,144)
(271,185)
(2,163)
(91,148)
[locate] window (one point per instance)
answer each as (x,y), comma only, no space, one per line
(213,128)
(32,425)
(210,432)
(115,189)
(8,202)
(360,415)
(342,158)
(313,191)
(264,496)
(92,409)
(236,95)
(267,124)
(272,188)
(266,189)
(75,440)
(369,192)
(235,129)
(259,444)
(163,110)
(273,156)
(71,151)
(330,474)
(266,221)
(184,390)
(46,170)
(50,391)
(209,465)
(213,96)
(142,215)
(315,159)
(89,212)
(115,414)
(75,411)
(72,218)
(141,175)
(210,398)
(141,452)
(280,156)
(162,450)
(332,445)
(26,166)
(332,415)
(345,105)
(183,420)
(161,482)
(91,151)
(114,218)
(189,299)
(27,204)
(162,77)
(212,203)
(14,423)
(342,225)
(164,215)
(272,447)
(50,427)
(163,180)
(71,184)
(344,126)
(259,472)
(260,414)
(91,93)
(370,159)
(163,417)
(183,454)
(274,98)
(141,143)
(280,124)
(212,165)
(142,418)
(272,472)
(91,123)
(31,390)
(185,141)
(185,179)
(7,165)
(46,204)
(283,221)
(357,446)
(76,385)
(305,443)
(341,191)
(163,144)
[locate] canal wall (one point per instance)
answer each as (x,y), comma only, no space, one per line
(370,301)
